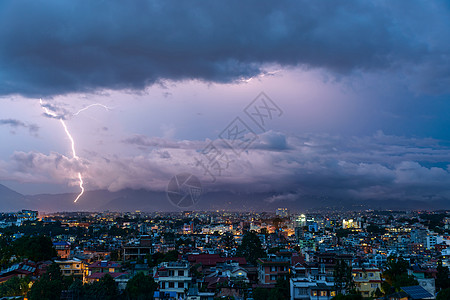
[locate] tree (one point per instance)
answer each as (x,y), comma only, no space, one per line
(37,248)
(50,285)
(281,290)
(105,288)
(442,280)
(396,275)
(261,293)
(14,287)
(251,247)
(343,279)
(348,297)
(141,287)
(227,241)
(443,294)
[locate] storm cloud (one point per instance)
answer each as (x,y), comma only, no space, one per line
(59,47)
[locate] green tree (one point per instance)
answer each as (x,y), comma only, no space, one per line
(281,290)
(105,288)
(251,248)
(348,297)
(227,241)
(50,285)
(443,294)
(343,279)
(442,280)
(141,287)
(261,293)
(37,248)
(14,287)
(396,275)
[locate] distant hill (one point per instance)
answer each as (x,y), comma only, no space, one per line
(143,200)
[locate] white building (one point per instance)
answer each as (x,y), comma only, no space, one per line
(173,277)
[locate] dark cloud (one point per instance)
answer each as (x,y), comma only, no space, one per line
(32,128)
(378,167)
(56,47)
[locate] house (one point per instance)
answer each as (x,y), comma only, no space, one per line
(308,288)
(367,280)
(272,268)
(173,277)
(104,266)
(73,267)
(62,249)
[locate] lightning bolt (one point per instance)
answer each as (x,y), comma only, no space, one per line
(89,106)
(72,141)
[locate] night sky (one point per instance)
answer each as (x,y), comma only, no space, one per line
(357,94)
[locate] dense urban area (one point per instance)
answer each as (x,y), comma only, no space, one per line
(225,255)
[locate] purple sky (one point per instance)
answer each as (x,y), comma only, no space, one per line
(364,89)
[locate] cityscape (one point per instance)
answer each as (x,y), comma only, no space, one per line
(225,255)
(236,150)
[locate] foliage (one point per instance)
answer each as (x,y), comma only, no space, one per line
(375,229)
(343,279)
(36,248)
(50,285)
(443,294)
(281,290)
(261,293)
(105,288)
(14,287)
(396,275)
(348,297)
(251,247)
(141,287)
(227,240)
(442,280)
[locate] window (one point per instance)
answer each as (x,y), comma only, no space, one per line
(273,277)
(314,293)
(273,269)
(373,285)
(67,266)
(66,271)
(180,285)
(323,293)
(180,273)
(171,284)
(302,291)
(77,266)
(332,293)
(370,274)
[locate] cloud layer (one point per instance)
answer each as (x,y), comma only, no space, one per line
(58,47)
(374,167)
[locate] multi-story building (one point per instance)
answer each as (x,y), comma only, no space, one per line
(173,277)
(62,249)
(104,267)
(73,267)
(272,268)
(367,281)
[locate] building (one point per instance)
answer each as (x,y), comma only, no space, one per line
(73,267)
(307,288)
(62,249)
(282,212)
(367,281)
(272,268)
(104,267)
(140,250)
(173,277)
